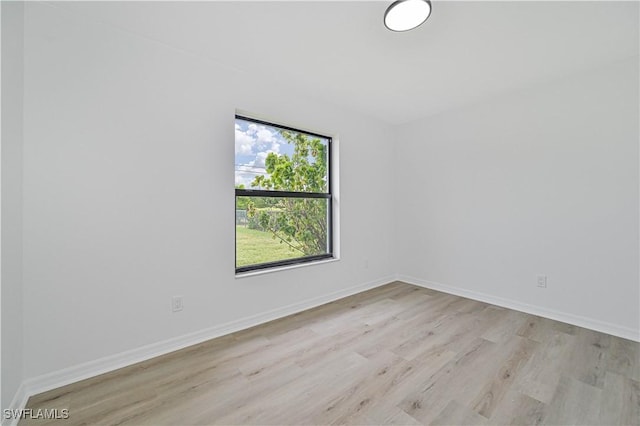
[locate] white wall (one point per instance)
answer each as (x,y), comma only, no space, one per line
(128,194)
(129,199)
(12,26)
(539,181)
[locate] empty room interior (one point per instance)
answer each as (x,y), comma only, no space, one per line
(434,224)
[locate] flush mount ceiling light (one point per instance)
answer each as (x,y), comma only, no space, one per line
(405,15)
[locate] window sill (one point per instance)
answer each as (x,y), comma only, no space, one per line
(284,268)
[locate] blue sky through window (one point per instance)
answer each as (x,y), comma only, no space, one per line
(253,142)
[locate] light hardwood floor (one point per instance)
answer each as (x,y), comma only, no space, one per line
(397,354)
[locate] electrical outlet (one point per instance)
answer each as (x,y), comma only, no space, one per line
(542,281)
(176,304)
(366,264)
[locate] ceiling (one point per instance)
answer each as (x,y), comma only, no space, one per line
(341,52)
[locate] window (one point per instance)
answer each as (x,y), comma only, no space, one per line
(283,195)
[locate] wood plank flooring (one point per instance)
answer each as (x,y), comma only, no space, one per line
(397,354)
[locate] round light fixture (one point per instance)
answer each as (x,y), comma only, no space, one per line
(405,15)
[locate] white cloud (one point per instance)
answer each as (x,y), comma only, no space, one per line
(265,136)
(260,159)
(242,180)
(256,139)
(246,173)
(256,142)
(252,129)
(244,142)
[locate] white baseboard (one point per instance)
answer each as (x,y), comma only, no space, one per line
(580,321)
(18,402)
(46,382)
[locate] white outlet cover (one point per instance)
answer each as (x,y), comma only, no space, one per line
(542,280)
(176,303)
